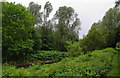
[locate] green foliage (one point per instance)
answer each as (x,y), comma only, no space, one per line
(115,68)
(60,33)
(74,48)
(110,27)
(46,28)
(43,30)
(36,37)
(47,10)
(35,11)
(19,72)
(47,38)
(0,69)
(93,41)
(50,55)
(66,28)
(17,30)
(53,35)
(98,63)
(105,33)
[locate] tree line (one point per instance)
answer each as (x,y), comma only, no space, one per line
(26,30)
(104,33)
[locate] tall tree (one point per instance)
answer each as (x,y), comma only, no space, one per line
(110,25)
(47,10)
(118,24)
(93,41)
(17,27)
(36,35)
(35,10)
(43,26)
(67,26)
(46,27)
(105,33)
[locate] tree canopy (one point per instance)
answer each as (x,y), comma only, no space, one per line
(27,30)
(67,26)
(17,27)
(105,33)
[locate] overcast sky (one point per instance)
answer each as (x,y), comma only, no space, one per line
(89,11)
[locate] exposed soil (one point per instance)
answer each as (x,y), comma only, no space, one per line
(36,62)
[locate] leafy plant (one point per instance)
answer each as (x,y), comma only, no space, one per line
(50,55)
(17,28)
(98,63)
(74,48)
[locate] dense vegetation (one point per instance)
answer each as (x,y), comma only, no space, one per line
(97,63)
(17,29)
(49,55)
(31,37)
(105,33)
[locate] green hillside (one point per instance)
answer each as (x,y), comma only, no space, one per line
(98,63)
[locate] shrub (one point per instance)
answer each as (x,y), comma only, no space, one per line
(74,48)
(50,55)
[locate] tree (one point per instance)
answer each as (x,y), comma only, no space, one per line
(43,26)
(66,27)
(95,40)
(105,33)
(17,27)
(35,11)
(36,35)
(110,25)
(74,48)
(117,3)
(46,28)
(118,24)
(47,10)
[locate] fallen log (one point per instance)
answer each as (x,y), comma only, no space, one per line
(48,61)
(33,63)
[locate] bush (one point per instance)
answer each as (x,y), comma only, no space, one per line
(13,71)
(74,48)
(50,55)
(93,41)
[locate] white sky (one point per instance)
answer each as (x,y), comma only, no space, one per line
(89,11)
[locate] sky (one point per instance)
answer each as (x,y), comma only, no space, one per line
(89,11)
